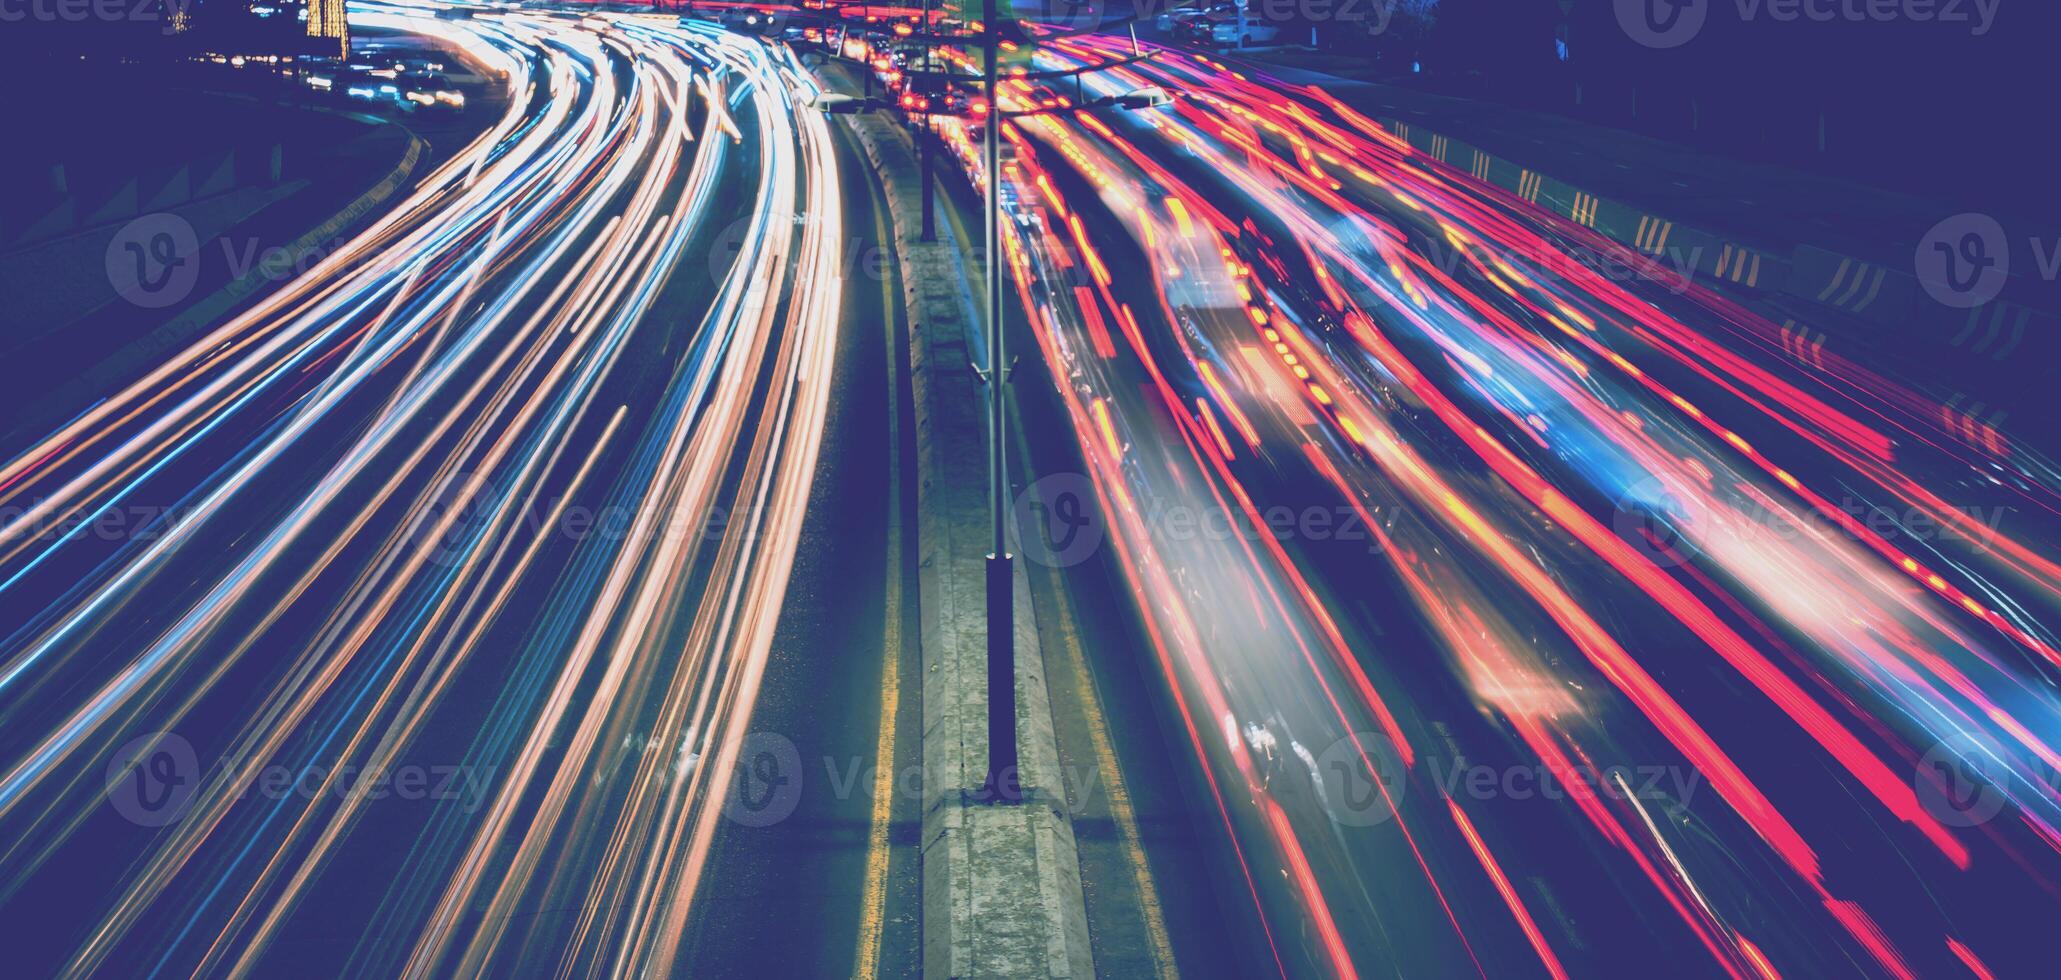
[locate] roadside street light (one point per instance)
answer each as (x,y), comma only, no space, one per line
(1002,784)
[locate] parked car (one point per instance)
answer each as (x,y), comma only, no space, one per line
(1243,32)
(1234,31)
(1173,17)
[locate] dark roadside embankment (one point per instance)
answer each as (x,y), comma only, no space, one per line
(151,204)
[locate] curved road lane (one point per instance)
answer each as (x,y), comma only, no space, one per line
(413,621)
(1521,606)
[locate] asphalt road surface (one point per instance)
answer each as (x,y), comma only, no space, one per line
(1516,605)
(1427,584)
(414,619)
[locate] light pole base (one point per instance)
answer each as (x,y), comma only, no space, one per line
(923,138)
(1002,784)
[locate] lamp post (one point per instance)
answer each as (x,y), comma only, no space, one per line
(1002,784)
(924,137)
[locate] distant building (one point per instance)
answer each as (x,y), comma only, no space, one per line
(326,19)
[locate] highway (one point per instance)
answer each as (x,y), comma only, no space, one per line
(1425,583)
(419,612)
(1521,605)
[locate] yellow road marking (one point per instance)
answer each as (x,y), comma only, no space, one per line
(873,906)
(1119,797)
(1120,810)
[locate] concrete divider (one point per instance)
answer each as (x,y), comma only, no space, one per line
(1817,293)
(1002,890)
(1885,296)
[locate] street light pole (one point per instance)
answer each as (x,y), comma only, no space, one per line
(924,137)
(1002,785)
